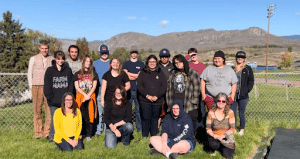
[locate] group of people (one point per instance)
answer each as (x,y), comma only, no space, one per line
(182,95)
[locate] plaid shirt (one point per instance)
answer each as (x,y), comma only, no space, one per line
(192,91)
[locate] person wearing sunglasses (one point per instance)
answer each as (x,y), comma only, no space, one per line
(245,84)
(220,126)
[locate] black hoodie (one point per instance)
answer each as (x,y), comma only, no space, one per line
(57,83)
(180,128)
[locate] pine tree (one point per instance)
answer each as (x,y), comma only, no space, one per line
(13,42)
(83,46)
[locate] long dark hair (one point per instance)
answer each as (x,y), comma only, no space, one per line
(74,105)
(215,106)
(90,70)
(182,59)
(147,68)
(123,93)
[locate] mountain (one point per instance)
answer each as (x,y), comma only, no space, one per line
(292,37)
(202,40)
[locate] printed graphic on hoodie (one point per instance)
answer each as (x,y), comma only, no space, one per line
(60,82)
(179,82)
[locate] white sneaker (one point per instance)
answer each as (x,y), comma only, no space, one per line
(241,133)
(88,139)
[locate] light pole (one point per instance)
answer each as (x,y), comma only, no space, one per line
(271,12)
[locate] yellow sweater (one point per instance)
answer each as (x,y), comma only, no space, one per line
(66,126)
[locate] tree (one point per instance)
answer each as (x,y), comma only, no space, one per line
(16,48)
(12,44)
(121,53)
(286,60)
(83,46)
(290,49)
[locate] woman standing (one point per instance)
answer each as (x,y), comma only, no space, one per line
(112,78)
(220,126)
(117,117)
(245,83)
(85,84)
(68,124)
(152,85)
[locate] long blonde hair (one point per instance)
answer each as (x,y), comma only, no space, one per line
(120,70)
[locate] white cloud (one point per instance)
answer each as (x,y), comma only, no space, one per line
(297,13)
(144,19)
(163,23)
(131,18)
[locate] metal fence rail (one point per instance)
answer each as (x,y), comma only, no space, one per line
(274,99)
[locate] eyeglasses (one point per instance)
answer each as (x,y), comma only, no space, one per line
(193,55)
(221,101)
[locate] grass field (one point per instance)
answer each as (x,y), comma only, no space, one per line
(265,111)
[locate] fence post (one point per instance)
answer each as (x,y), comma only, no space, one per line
(286,91)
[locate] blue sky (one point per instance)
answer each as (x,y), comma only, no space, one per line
(100,20)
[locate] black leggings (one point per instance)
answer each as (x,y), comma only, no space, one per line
(215,144)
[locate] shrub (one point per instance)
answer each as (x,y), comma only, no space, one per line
(286,60)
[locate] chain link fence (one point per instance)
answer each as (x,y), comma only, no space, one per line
(275,97)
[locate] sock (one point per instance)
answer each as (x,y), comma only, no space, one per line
(168,154)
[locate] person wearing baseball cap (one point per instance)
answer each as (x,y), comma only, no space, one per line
(218,78)
(165,65)
(101,66)
(245,84)
(132,68)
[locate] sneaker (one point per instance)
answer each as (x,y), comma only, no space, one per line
(88,138)
(97,135)
(153,151)
(241,133)
(213,154)
(173,155)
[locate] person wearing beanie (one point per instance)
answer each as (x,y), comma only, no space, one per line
(218,78)
(184,84)
(245,84)
(177,133)
(101,66)
(132,68)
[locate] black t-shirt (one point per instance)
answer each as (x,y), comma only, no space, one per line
(85,82)
(112,82)
(179,84)
(114,113)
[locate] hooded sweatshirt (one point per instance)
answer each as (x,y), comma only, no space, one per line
(180,128)
(57,83)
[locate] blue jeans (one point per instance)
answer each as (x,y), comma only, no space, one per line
(101,126)
(150,114)
(52,131)
(65,146)
(111,139)
(242,103)
(138,122)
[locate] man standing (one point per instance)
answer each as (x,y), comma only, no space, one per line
(73,61)
(101,65)
(36,71)
(164,63)
(192,57)
(133,68)
(166,66)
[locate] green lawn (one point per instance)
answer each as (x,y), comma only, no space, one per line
(265,111)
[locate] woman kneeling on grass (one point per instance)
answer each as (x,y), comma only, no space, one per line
(68,124)
(117,117)
(177,133)
(220,126)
